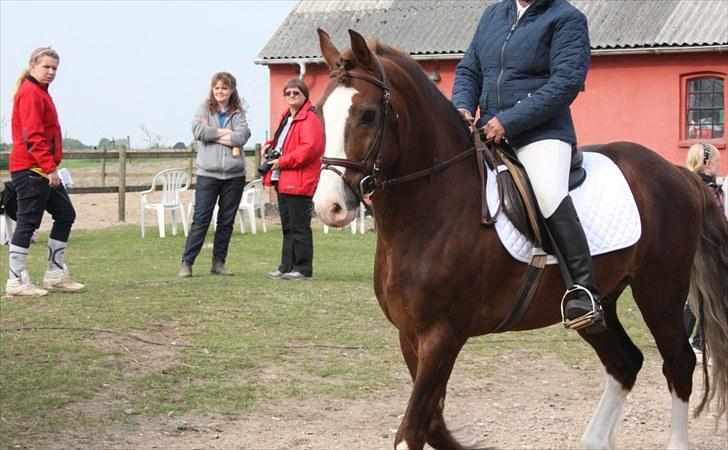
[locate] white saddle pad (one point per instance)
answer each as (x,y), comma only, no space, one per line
(605,205)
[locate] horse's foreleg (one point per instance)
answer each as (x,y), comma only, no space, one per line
(605,423)
(430,358)
(438,436)
(623,360)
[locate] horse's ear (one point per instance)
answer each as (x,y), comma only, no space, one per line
(362,53)
(328,50)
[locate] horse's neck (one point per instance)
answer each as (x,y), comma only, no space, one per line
(433,199)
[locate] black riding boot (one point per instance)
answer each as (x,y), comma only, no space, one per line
(578,309)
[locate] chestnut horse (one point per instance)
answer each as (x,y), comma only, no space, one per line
(441,277)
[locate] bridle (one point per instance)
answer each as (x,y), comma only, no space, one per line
(371,181)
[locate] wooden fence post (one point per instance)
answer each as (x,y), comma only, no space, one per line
(122,183)
(191,166)
(103,166)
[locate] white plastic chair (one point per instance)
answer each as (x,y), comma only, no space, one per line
(360,220)
(6,228)
(251,203)
(173,182)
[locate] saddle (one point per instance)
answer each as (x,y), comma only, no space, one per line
(516,194)
(517,201)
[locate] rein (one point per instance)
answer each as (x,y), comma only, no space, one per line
(371,181)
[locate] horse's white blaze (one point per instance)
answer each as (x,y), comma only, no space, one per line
(607,419)
(402,446)
(678,423)
(330,197)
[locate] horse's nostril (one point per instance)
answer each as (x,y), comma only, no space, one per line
(336,208)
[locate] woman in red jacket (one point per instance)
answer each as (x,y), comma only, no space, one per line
(293,167)
(34,161)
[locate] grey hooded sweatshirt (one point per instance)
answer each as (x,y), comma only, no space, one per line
(213,159)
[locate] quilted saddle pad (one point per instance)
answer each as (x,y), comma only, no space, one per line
(605,205)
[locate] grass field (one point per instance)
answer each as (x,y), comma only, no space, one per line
(142,343)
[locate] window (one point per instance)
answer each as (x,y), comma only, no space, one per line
(705,108)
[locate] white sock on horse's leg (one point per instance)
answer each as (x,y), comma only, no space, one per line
(607,419)
(678,424)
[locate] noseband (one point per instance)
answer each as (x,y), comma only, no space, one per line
(371,182)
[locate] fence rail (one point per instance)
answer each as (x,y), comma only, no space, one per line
(122,156)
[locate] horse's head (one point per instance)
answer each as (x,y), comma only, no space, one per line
(355,110)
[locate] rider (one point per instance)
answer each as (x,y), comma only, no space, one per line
(524,67)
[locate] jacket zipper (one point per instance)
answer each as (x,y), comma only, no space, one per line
(503,57)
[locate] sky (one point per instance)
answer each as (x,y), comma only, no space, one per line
(125,65)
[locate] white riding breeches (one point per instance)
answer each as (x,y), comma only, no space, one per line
(547,165)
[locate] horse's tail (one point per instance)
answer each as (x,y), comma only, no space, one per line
(708,298)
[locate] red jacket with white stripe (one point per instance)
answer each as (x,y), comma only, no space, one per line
(37,139)
(300,164)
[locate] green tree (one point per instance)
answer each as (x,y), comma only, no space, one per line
(74,144)
(106,143)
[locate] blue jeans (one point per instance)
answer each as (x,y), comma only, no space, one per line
(34,196)
(227,194)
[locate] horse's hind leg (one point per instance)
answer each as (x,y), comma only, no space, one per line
(662,306)
(430,360)
(622,360)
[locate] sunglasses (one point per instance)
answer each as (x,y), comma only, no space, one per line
(291,93)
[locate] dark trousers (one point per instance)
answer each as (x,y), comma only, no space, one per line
(227,195)
(34,196)
(297,250)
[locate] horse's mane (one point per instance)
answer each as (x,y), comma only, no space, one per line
(406,63)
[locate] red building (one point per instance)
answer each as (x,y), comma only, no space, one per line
(657,75)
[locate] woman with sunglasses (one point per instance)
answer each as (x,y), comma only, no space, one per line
(299,139)
(703,160)
(37,152)
(221,129)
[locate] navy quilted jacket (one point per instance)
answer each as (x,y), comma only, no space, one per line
(526,72)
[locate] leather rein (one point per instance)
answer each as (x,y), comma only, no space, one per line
(372,180)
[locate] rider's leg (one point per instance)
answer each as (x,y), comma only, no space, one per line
(547,164)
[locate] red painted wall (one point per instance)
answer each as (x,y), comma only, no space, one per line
(641,98)
(636,98)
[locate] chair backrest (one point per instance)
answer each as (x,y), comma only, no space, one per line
(252,194)
(173,182)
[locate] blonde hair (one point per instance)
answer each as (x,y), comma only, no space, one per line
(34,58)
(699,155)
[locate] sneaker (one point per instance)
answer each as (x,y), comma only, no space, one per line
(58,279)
(22,287)
(274,275)
(294,276)
(185,270)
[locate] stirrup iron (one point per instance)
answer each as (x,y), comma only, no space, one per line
(594,317)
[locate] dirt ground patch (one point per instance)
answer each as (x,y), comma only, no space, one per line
(528,403)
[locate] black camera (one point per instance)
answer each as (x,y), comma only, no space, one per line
(265,167)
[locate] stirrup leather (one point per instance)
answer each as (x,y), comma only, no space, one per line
(587,319)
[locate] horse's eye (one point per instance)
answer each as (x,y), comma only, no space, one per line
(367,117)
